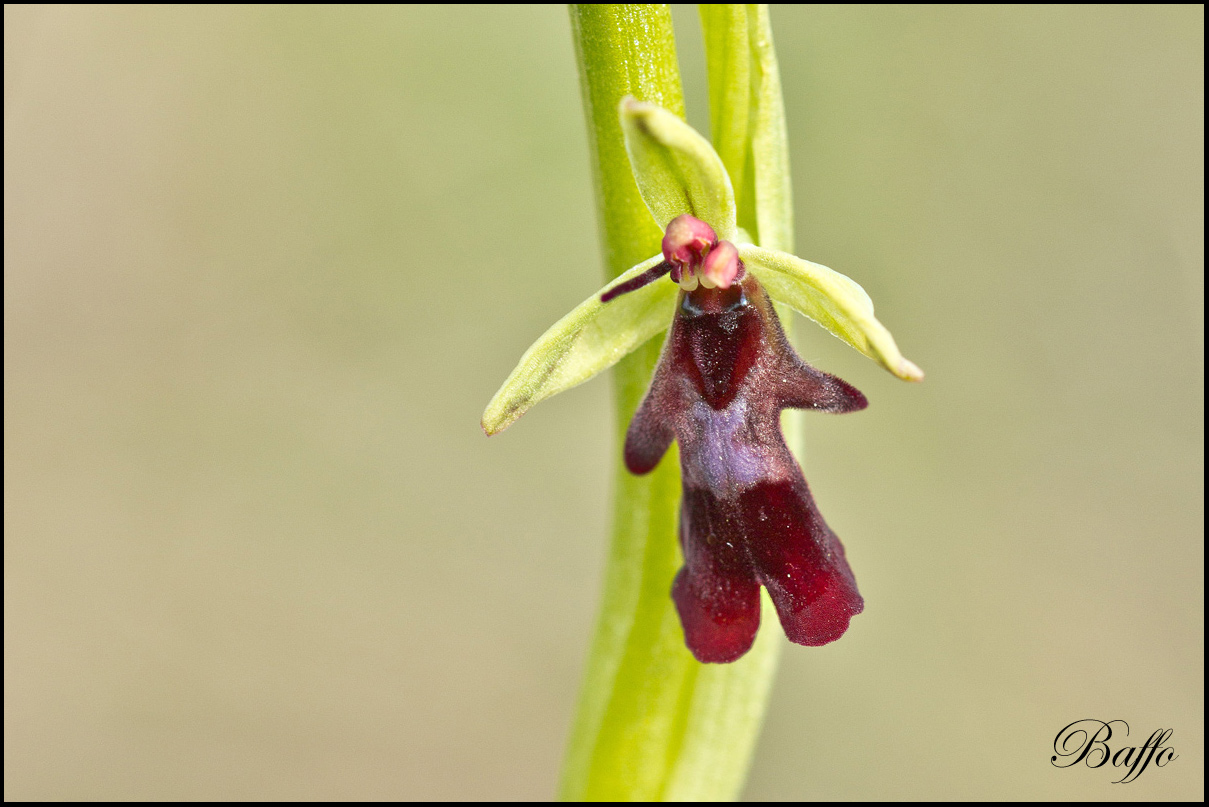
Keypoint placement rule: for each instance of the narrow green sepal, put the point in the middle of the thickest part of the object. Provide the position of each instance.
(676, 169)
(590, 339)
(835, 301)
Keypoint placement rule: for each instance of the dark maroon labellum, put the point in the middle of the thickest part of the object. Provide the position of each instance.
(747, 517)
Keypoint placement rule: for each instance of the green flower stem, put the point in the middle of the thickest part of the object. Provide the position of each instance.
(653, 723)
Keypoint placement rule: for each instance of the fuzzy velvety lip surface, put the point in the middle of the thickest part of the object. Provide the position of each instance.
(747, 517)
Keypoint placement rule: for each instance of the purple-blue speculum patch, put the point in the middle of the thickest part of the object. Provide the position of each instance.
(747, 518)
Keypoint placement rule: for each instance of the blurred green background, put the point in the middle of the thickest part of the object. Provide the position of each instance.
(265, 266)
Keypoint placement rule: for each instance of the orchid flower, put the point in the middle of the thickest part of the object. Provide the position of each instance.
(726, 371)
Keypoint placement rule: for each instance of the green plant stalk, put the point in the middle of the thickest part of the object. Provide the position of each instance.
(653, 723)
(747, 118)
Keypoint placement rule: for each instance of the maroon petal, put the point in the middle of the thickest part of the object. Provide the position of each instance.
(804, 387)
(652, 430)
(800, 561)
(747, 516)
(633, 284)
(715, 593)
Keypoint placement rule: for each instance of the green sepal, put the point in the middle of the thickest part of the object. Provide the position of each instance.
(835, 301)
(590, 339)
(676, 169)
